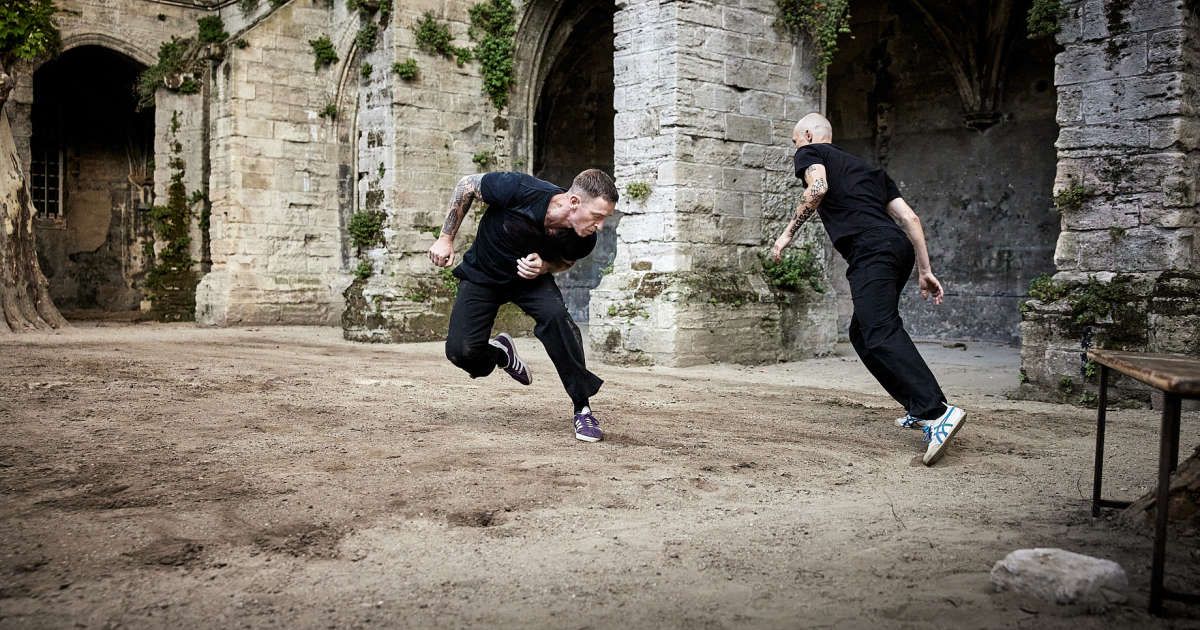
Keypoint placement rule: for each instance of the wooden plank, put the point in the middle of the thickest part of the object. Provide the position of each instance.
(1172, 373)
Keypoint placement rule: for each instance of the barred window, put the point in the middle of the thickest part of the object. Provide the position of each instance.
(45, 180)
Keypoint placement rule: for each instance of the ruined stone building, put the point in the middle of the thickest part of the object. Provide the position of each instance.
(310, 148)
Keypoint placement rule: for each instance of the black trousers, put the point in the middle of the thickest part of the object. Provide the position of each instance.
(881, 261)
(475, 312)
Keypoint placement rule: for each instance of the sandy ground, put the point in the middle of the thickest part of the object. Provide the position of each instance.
(168, 476)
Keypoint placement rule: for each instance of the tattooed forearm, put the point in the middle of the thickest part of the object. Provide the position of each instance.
(465, 194)
(808, 204)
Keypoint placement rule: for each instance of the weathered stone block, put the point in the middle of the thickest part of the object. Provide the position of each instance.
(1062, 577)
(1086, 63)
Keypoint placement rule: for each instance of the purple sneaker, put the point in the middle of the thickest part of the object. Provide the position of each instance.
(516, 367)
(587, 427)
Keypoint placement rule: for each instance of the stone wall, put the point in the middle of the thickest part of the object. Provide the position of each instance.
(276, 233)
(984, 196)
(440, 121)
(706, 95)
(1128, 183)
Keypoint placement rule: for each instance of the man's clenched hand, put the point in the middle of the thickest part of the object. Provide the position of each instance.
(531, 266)
(442, 252)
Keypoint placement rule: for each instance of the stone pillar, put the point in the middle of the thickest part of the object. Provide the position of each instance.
(1127, 188)
(706, 95)
(276, 234)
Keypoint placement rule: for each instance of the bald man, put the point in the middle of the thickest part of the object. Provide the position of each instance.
(880, 237)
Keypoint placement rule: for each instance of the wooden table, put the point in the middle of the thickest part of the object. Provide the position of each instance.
(1177, 377)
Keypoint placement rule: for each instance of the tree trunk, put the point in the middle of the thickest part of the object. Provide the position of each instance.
(1184, 496)
(25, 302)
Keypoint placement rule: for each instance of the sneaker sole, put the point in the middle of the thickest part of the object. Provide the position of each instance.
(932, 458)
(584, 438)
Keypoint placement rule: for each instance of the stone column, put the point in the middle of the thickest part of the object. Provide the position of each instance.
(706, 95)
(1127, 188)
(276, 234)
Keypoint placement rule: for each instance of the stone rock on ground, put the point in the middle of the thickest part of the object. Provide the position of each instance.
(1062, 577)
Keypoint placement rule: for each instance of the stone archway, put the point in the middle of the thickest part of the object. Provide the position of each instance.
(965, 123)
(91, 170)
(564, 106)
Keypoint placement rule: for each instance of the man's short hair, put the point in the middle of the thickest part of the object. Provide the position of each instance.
(596, 183)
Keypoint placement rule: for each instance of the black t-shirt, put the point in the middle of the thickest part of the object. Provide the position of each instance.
(513, 227)
(858, 192)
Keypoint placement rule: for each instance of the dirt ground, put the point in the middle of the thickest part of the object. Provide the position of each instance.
(169, 476)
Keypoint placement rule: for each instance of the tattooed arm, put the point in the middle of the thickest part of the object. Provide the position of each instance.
(465, 193)
(809, 201)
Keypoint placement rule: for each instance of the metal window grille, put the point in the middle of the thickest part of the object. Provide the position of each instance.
(45, 181)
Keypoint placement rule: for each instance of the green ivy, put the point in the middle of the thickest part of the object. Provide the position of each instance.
(1071, 198)
(1043, 288)
(822, 20)
(330, 111)
(189, 85)
(175, 57)
(637, 191)
(797, 269)
(365, 70)
(363, 270)
(27, 30)
(323, 52)
(170, 280)
(1043, 17)
(212, 30)
(366, 229)
(483, 158)
(432, 36)
(449, 280)
(493, 28)
(406, 69)
(368, 33)
(248, 7)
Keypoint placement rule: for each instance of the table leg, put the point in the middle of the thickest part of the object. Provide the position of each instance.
(1167, 452)
(1100, 420)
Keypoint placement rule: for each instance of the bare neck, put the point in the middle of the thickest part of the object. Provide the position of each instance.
(557, 211)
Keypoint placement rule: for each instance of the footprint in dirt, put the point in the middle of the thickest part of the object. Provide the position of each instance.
(168, 552)
(475, 518)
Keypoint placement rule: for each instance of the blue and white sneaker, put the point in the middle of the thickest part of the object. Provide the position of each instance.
(909, 422)
(938, 433)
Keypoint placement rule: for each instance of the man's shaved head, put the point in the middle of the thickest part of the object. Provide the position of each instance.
(812, 128)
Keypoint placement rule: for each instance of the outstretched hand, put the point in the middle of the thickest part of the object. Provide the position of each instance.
(930, 287)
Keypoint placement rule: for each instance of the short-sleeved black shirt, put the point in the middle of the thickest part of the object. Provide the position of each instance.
(513, 227)
(858, 192)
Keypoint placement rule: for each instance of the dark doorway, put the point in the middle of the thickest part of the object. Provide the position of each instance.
(980, 180)
(573, 129)
(92, 160)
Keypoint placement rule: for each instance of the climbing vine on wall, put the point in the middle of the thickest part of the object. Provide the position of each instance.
(821, 20)
(1043, 17)
(170, 281)
(493, 27)
(434, 38)
(211, 30)
(178, 61)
